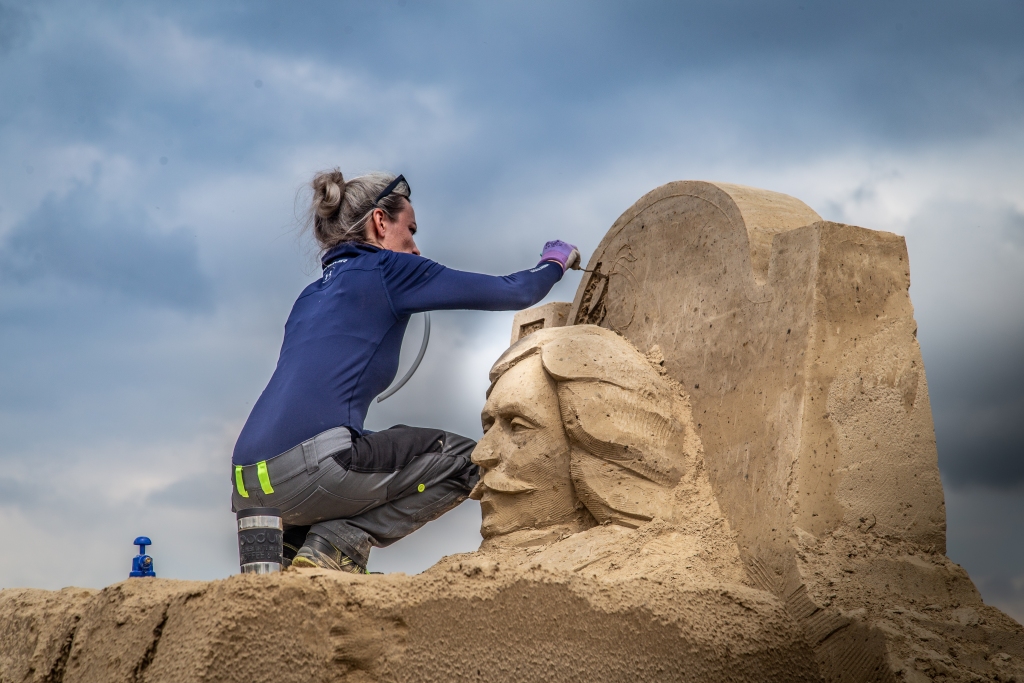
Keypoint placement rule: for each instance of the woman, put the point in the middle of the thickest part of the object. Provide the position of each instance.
(342, 490)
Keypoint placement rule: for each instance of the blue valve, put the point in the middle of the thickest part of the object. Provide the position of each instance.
(142, 564)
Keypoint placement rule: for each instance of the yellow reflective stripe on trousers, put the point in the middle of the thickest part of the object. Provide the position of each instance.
(261, 472)
(239, 484)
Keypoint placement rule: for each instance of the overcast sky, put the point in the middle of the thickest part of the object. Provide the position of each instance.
(152, 161)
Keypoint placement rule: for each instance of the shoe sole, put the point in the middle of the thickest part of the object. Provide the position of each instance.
(306, 562)
(303, 561)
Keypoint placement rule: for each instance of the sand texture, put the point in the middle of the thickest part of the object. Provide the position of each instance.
(717, 464)
(469, 618)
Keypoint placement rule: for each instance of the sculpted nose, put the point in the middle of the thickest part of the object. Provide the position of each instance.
(484, 455)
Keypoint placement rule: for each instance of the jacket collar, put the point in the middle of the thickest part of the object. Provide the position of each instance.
(347, 250)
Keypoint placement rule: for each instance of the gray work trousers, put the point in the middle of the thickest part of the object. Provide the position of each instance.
(381, 489)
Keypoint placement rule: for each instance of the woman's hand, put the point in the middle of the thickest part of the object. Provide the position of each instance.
(564, 254)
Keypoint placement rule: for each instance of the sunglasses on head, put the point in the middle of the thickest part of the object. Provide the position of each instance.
(391, 188)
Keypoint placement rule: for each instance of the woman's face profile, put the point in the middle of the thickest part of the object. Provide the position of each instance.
(396, 235)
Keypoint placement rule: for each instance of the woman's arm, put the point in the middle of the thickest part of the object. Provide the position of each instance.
(415, 284)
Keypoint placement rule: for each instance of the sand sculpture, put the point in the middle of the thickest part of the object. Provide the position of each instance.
(586, 440)
(576, 417)
(717, 463)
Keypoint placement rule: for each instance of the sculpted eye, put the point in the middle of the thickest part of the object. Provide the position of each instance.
(487, 423)
(519, 424)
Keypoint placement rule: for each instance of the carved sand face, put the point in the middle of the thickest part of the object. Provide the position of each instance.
(524, 454)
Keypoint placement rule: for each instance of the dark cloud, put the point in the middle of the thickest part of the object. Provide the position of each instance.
(541, 78)
(967, 266)
(78, 240)
(984, 536)
(978, 407)
(900, 72)
(977, 388)
(15, 24)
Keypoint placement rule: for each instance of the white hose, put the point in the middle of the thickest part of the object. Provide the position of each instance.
(415, 363)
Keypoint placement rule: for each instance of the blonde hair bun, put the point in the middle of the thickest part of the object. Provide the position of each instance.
(328, 191)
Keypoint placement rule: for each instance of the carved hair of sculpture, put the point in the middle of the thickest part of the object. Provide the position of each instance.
(576, 417)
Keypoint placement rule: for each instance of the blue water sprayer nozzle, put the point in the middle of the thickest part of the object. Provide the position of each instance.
(142, 564)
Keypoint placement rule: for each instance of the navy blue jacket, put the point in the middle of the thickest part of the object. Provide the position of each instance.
(344, 334)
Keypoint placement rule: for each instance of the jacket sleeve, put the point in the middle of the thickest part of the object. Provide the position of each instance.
(415, 284)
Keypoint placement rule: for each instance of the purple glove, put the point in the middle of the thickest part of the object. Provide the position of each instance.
(562, 253)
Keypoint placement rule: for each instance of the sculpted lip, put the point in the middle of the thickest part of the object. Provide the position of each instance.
(499, 483)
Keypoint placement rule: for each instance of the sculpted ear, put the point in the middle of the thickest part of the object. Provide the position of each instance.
(628, 445)
(612, 495)
(627, 451)
(630, 429)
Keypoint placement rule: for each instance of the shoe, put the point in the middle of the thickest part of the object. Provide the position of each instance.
(294, 537)
(318, 552)
(290, 551)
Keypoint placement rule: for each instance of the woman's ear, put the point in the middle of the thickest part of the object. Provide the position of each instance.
(377, 227)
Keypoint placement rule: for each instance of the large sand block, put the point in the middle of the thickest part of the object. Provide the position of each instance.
(796, 340)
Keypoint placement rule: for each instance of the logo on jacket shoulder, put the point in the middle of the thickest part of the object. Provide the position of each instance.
(330, 269)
